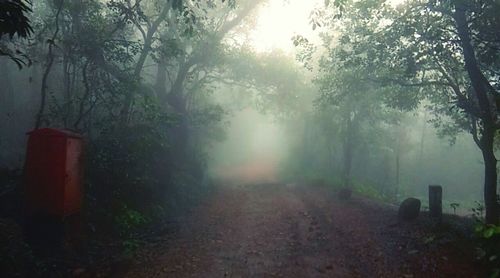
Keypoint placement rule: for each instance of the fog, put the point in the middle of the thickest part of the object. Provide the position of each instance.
(266, 127)
(266, 131)
(198, 109)
(253, 150)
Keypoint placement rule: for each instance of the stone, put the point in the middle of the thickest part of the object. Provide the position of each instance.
(345, 193)
(409, 209)
(435, 201)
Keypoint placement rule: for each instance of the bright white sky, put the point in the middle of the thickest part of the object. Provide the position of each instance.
(279, 20)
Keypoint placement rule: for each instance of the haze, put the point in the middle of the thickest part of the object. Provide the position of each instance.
(249, 138)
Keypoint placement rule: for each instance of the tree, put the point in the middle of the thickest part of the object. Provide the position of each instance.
(14, 21)
(484, 85)
(359, 109)
(197, 61)
(447, 48)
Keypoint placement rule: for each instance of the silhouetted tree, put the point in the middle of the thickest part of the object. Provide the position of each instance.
(14, 21)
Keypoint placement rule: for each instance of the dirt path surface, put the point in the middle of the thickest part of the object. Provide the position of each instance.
(293, 231)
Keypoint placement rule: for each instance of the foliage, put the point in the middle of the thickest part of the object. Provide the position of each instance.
(489, 248)
(127, 220)
(454, 206)
(478, 211)
(136, 78)
(488, 236)
(123, 163)
(371, 191)
(14, 18)
(426, 51)
(487, 231)
(14, 21)
(356, 106)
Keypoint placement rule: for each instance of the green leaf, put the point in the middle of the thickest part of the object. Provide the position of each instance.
(489, 232)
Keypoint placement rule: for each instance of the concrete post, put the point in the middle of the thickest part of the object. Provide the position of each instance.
(435, 201)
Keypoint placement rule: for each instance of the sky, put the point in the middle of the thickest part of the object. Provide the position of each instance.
(279, 20)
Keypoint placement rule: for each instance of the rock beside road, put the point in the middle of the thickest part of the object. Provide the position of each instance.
(409, 209)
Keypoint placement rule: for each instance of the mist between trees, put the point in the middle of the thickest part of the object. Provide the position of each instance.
(172, 96)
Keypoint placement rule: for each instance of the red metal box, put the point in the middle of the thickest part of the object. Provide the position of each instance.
(53, 172)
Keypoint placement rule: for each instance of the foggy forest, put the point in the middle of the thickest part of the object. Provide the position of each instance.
(249, 138)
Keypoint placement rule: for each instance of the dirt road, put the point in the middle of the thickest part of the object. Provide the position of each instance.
(277, 230)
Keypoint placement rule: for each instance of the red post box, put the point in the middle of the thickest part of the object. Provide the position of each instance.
(53, 172)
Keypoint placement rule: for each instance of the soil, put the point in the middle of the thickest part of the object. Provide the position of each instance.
(279, 230)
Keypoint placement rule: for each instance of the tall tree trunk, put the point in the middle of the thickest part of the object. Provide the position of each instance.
(176, 99)
(398, 158)
(481, 88)
(348, 148)
(420, 177)
(401, 138)
(422, 140)
(139, 66)
(490, 176)
(161, 79)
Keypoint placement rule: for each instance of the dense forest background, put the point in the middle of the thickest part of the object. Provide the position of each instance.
(177, 97)
(385, 98)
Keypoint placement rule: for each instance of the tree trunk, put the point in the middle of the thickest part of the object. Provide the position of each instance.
(422, 140)
(176, 99)
(347, 163)
(481, 88)
(160, 83)
(398, 156)
(348, 145)
(490, 176)
(139, 66)
(180, 133)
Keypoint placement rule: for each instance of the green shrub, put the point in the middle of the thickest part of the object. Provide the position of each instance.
(369, 191)
(127, 220)
(488, 236)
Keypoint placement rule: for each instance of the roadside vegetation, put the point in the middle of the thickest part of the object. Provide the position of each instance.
(382, 97)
